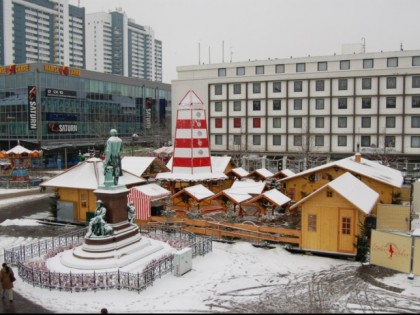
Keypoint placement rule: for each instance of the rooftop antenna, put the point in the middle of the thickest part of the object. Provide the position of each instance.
(209, 56)
(231, 53)
(223, 51)
(199, 53)
(364, 44)
(401, 46)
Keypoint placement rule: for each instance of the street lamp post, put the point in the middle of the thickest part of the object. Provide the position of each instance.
(8, 126)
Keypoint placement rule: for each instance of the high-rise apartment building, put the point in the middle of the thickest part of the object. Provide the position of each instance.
(53, 31)
(116, 44)
(50, 31)
(325, 106)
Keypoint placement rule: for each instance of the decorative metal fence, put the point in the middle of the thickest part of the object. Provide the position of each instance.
(30, 261)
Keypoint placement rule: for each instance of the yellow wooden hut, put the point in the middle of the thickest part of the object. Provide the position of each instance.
(382, 179)
(75, 188)
(332, 216)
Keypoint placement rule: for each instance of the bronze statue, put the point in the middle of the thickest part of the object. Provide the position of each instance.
(98, 225)
(131, 212)
(113, 149)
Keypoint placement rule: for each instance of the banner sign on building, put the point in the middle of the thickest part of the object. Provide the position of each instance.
(13, 69)
(62, 128)
(32, 108)
(61, 117)
(162, 111)
(60, 93)
(63, 70)
(148, 113)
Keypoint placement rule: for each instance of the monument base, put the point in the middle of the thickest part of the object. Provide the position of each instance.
(139, 252)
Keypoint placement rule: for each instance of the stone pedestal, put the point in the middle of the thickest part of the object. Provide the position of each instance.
(115, 201)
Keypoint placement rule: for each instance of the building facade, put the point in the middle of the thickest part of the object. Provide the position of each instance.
(53, 31)
(116, 44)
(42, 31)
(52, 106)
(326, 106)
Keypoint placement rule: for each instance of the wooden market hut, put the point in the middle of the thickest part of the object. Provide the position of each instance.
(75, 188)
(331, 216)
(260, 174)
(272, 199)
(237, 173)
(194, 198)
(241, 191)
(382, 179)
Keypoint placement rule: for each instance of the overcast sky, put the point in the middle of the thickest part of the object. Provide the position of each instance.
(262, 29)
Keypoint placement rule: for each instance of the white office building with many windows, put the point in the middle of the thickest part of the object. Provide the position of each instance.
(326, 106)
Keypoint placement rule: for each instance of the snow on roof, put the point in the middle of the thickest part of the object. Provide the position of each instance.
(240, 171)
(286, 172)
(352, 189)
(88, 175)
(274, 196)
(136, 165)
(190, 177)
(152, 190)
(247, 186)
(237, 196)
(18, 150)
(277, 197)
(264, 172)
(218, 163)
(365, 167)
(199, 191)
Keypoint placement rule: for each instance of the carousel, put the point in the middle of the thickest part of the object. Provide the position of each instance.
(18, 162)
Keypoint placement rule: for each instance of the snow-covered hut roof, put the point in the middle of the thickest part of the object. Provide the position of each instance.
(263, 172)
(239, 171)
(247, 186)
(152, 190)
(136, 165)
(286, 172)
(88, 175)
(365, 167)
(274, 196)
(199, 192)
(218, 163)
(352, 189)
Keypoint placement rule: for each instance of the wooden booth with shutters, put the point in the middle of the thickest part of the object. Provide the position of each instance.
(331, 217)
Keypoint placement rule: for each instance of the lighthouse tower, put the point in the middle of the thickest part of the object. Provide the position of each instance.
(191, 156)
(191, 145)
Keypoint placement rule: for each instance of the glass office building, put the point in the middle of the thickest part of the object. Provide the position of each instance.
(58, 108)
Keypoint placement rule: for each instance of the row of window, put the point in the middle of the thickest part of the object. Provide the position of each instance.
(391, 102)
(318, 140)
(391, 83)
(366, 122)
(368, 63)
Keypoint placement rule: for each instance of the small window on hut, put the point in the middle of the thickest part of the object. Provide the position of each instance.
(312, 222)
(346, 226)
(329, 193)
(84, 201)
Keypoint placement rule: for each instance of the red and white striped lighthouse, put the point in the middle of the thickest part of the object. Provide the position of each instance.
(191, 153)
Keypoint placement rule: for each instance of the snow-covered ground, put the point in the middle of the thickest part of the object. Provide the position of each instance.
(240, 278)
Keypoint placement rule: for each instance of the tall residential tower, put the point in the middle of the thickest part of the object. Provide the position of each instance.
(50, 31)
(116, 44)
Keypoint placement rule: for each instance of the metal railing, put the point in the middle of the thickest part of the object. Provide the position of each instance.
(30, 260)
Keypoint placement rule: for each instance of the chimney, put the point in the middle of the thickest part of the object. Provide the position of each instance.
(357, 157)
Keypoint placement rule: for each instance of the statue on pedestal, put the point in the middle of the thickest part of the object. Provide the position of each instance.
(113, 149)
